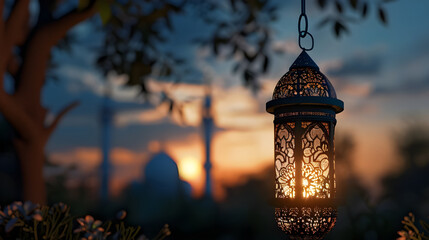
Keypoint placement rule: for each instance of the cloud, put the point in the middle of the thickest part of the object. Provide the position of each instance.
(127, 165)
(236, 107)
(355, 89)
(408, 87)
(149, 116)
(83, 79)
(287, 46)
(186, 96)
(359, 64)
(87, 158)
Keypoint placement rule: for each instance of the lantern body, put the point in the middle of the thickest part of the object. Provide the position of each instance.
(304, 104)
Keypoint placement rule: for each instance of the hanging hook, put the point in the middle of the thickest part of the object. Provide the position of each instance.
(303, 32)
(312, 42)
(303, 7)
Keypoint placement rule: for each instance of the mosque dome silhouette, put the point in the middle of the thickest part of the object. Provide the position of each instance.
(162, 175)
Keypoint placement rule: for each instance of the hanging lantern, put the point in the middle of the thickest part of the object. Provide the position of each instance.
(304, 104)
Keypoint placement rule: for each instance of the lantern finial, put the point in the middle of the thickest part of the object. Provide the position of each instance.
(304, 61)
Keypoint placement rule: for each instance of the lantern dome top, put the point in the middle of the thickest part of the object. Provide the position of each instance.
(304, 79)
(304, 84)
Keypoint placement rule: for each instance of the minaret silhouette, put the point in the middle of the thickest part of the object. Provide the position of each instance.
(208, 130)
(106, 117)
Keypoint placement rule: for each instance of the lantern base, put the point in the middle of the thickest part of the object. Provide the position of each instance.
(306, 223)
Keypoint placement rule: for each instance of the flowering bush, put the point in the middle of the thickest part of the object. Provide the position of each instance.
(31, 221)
(411, 231)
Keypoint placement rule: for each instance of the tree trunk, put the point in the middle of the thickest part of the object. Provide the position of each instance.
(23, 109)
(31, 157)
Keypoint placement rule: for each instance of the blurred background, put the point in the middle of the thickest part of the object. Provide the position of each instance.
(172, 126)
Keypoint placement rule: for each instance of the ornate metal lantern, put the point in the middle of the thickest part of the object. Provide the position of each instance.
(304, 104)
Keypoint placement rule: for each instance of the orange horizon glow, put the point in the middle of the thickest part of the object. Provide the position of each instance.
(190, 168)
(243, 147)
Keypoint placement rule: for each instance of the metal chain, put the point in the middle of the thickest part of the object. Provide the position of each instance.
(303, 32)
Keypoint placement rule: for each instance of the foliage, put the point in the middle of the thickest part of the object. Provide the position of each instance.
(411, 231)
(239, 30)
(31, 221)
(139, 37)
(351, 11)
(134, 45)
(242, 31)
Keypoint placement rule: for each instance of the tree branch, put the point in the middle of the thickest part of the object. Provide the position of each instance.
(57, 29)
(16, 26)
(14, 114)
(50, 129)
(1, 11)
(37, 54)
(45, 12)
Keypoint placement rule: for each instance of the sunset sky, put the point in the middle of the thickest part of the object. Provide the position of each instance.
(379, 72)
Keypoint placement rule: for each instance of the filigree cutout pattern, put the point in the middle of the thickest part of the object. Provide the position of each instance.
(303, 82)
(315, 164)
(306, 223)
(284, 160)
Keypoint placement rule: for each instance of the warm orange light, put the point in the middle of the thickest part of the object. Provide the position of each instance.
(189, 168)
(313, 181)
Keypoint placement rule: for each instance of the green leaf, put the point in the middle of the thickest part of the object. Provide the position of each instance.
(339, 28)
(249, 57)
(322, 3)
(171, 106)
(382, 16)
(339, 6)
(215, 48)
(266, 64)
(364, 10)
(248, 76)
(217, 41)
(104, 10)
